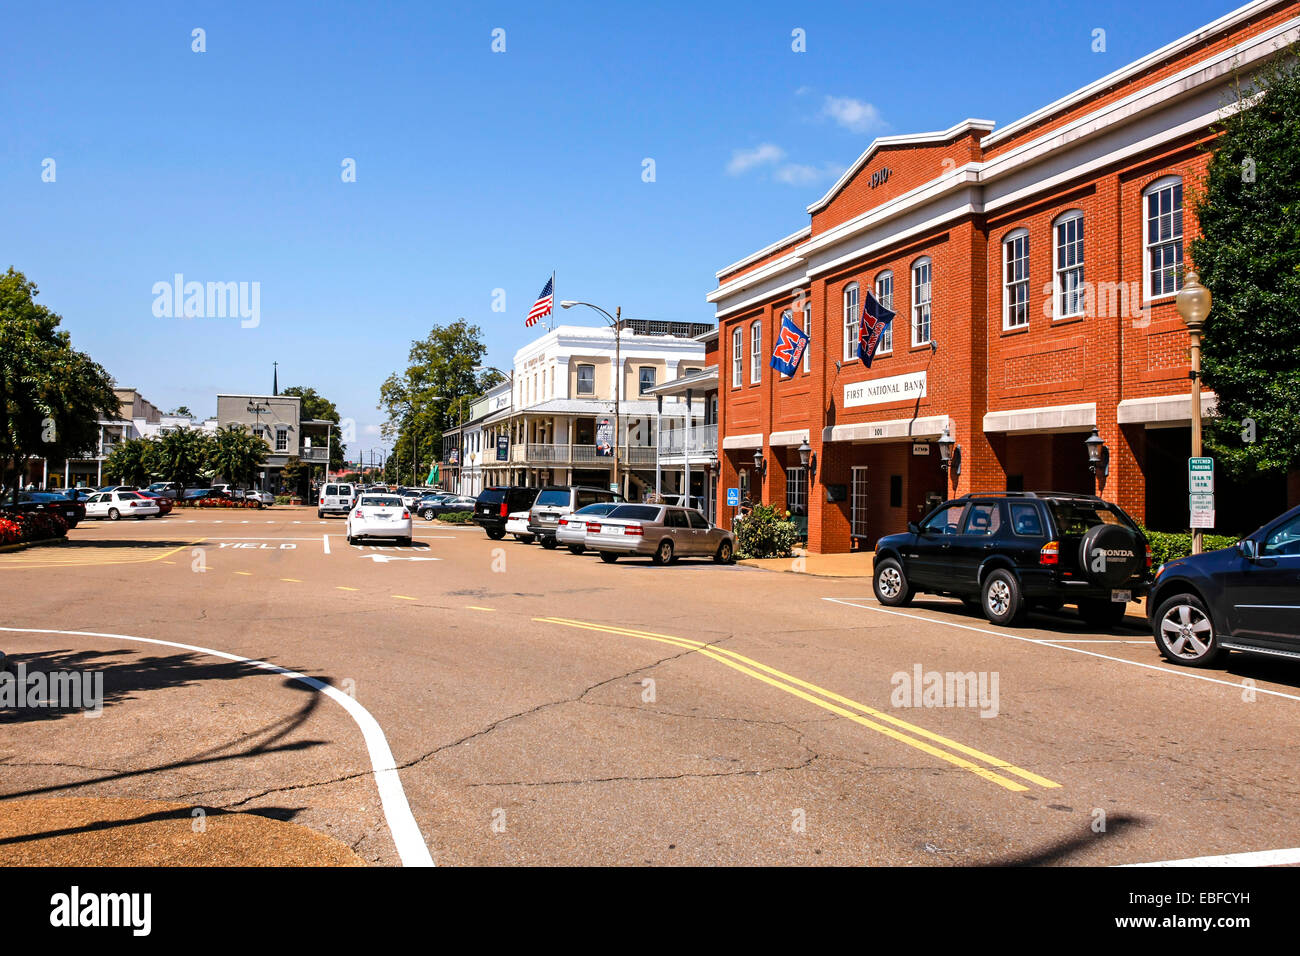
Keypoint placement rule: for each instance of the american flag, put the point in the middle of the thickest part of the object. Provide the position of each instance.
(542, 307)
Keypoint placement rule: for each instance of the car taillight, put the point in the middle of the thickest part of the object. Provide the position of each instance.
(504, 512)
(136, 504)
(405, 514)
(1148, 557)
(633, 529)
(358, 514)
(593, 527)
(1049, 553)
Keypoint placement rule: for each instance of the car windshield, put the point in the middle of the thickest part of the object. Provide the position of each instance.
(600, 508)
(636, 512)
(381, 501)
(556, 496)
(127, 495)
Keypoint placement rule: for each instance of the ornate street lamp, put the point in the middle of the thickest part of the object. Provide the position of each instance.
(1098, 454)
(1193, 302)
(949, 454)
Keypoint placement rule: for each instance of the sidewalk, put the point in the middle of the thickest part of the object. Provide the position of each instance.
(857, 564)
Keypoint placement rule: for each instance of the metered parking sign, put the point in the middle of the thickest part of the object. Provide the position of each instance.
(733, 497)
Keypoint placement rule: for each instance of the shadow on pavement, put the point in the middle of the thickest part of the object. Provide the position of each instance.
(1062, 850)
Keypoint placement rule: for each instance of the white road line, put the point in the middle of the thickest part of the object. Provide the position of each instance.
(1063, 640)
(411, 847)
(1061, 647)
(325, 539)
(1260, 858)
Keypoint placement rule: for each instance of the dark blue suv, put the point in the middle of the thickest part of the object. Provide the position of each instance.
(1243, 598)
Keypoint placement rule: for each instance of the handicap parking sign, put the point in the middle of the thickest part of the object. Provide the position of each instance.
(733, 497)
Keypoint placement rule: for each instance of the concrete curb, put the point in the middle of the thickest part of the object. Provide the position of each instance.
(24, 545)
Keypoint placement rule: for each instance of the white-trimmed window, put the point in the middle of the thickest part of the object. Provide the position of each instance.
(885, 296)
(737, 360)
(858, 502)
(1067, 265)
(850, 321)
(586, 380)
(756, 352)
(281, 438)
(1015, 279)
(796, 490)
(807, 330)
(921, 301)
(1164, 237)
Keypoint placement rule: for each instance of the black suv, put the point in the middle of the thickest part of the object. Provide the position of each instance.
(1243, 598)
(494, 506)
(1006, 552)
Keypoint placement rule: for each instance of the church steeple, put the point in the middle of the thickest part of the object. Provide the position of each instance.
(275, 378)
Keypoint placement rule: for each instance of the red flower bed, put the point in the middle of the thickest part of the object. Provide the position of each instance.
(220, 503)
(19, 527)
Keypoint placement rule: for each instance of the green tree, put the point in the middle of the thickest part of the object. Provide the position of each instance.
(1248, 256)
(315, 405)
(133, 461)
(432, 394)
(236, 454)
(51, 396)
(293, 477)
(182, 410)
(182, 455)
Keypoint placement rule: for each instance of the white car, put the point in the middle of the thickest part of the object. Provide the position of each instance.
(265, 497)
(517, 524)
(379, 516)
(114, 505)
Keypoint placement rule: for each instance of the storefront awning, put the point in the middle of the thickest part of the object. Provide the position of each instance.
(731, 442)
(1044, 420)
(1165, 411)
(895, 429)
(796, 437)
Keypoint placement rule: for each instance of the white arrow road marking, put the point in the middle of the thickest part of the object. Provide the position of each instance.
(397, 812)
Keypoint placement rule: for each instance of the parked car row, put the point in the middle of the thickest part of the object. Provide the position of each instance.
(1006, 553)
(585, 519)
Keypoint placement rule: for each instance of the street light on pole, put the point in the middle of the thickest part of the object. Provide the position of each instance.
(618, 374)
(1193, 302)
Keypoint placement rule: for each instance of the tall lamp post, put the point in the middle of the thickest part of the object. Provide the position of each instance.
(1193, 303)
(618, 375)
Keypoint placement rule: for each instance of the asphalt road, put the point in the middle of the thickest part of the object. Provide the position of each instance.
(546, 708)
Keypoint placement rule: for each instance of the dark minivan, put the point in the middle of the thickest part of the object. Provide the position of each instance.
(494, 506)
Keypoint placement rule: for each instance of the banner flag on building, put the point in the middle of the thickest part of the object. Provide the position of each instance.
(433, 474)
(875, 320)
(791, 341)
(542, 307)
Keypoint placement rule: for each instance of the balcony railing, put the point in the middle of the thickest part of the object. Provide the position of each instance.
(538, 453)
(702, 439)
(314, 455)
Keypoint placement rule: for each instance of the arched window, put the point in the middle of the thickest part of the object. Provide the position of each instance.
(1015, 279)
(756, 352)
(885, 296)
(1067, 265)
(737, 359)
(921, 276)
(850, 321)
(1163, 237)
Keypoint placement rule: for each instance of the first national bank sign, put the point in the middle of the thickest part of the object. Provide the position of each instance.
(896, 388)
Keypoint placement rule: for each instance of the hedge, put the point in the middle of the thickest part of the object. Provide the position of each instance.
(1167, 546)
(23, 526)
(457, 517)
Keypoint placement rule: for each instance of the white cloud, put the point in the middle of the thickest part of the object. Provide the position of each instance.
(854, 115)
(799, 174)
(370, 430)
(743, 160)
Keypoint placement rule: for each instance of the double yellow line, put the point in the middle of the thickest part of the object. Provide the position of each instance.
(979, 763)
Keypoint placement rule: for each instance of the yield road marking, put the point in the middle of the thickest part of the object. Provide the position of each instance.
(1042, 642)
(829, 700)
(411, 847)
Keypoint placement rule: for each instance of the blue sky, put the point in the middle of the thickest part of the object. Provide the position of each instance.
(475, 170)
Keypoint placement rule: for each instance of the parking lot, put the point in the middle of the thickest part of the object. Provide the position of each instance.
(467, 701)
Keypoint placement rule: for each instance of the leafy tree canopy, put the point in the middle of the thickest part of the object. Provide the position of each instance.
(1249, 258)
(315, 405)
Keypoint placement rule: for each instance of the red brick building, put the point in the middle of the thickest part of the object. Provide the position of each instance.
(1033, 270)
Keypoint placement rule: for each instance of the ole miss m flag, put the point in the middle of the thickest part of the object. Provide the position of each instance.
(875, 320)
(790, 344)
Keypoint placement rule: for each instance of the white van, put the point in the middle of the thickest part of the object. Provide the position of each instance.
(335, 499)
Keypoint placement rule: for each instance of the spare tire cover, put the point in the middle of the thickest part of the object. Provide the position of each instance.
(1109, 555)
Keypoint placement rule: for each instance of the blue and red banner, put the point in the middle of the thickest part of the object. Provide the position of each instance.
(875, 320)
(790, 344)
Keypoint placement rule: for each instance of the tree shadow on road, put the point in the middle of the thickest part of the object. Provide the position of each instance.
(1062, 850)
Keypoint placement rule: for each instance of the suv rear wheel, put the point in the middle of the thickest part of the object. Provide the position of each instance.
(547, 542)
(496, 534)
(1001, 597)
(1185, 632)
(890, 584)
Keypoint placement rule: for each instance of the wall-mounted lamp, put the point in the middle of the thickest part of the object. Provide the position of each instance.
(808, 458)
(1098, 454)
(949, 454)
(758, 462)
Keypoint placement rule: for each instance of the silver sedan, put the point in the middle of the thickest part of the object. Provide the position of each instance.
(572, 531)
(662, 533)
